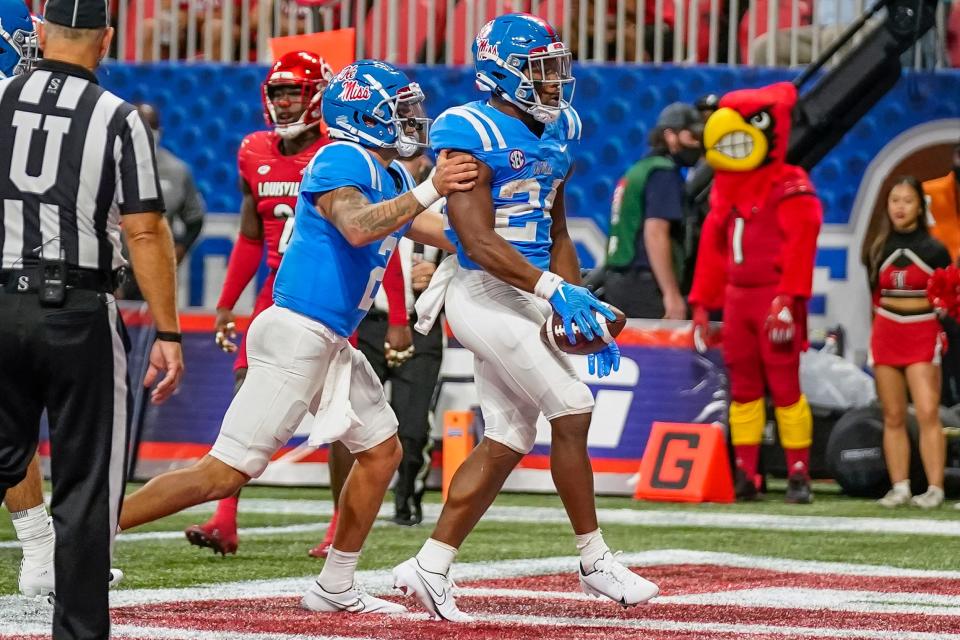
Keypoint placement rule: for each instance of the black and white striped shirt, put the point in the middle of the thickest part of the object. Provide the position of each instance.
(73, 159)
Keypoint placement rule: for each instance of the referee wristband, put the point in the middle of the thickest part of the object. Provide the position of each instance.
(169, 336)
(426, 193)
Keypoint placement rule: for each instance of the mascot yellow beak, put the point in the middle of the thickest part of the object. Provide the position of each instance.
(732, 143)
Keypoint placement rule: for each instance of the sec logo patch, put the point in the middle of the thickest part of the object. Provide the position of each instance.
(517, 160)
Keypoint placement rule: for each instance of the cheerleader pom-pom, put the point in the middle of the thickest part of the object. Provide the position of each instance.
(943, 291)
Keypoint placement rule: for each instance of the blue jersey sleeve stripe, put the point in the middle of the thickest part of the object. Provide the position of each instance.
(501, 143)
(475, 123)
(573, 124)
(374, 174)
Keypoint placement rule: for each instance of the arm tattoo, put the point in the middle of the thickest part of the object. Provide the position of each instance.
(352, 209)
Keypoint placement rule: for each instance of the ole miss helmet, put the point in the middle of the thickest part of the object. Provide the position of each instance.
(311, 74)
(18, 39)
(375, 104)
(517, 54)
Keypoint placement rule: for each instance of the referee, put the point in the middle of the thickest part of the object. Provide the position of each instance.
(74, 161)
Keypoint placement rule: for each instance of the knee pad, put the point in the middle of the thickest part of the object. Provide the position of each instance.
(795, 423)
(520, 438)
(747, 420)
(571, 399)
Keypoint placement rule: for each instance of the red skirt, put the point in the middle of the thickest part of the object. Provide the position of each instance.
(898, 341)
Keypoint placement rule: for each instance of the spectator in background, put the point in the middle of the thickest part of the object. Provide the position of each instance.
(707, 104)
(185, 206)
(906, 341)
(631, 15)
(829, 19)
(171, 18)
(645, 253)
(943, 205)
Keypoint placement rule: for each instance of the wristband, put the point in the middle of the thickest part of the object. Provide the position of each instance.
(547, 285)
(426, 193)
(170, 336)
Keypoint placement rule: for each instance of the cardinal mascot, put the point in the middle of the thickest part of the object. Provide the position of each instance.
(755, 261)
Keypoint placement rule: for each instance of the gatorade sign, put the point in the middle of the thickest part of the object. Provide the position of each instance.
(685, 463)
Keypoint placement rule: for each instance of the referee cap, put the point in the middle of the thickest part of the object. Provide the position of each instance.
(78, 14)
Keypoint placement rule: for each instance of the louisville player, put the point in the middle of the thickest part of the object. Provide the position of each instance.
(516, 261)
(271, 165)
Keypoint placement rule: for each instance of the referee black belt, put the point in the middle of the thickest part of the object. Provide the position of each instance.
(28, 280)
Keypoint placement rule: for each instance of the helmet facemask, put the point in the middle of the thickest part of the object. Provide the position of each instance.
(25, 44)
(547, 83)
(308, 96)
(408, 119)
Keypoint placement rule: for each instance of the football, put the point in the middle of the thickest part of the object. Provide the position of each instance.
(555, 335)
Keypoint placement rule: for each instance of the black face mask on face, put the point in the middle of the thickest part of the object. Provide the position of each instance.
(687, 156)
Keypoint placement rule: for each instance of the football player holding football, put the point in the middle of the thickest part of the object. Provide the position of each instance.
(514, 261)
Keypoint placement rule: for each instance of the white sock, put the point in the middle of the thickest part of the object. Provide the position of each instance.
(338, 569)
(35, 532)
(436, 556)
(592, 548)
(935, 491)
(902, 487)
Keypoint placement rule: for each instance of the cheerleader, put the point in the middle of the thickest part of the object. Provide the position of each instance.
(907, 338)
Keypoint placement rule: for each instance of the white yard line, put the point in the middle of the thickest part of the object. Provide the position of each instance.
(164, 633)
(719, 627)
(18, 615)
(630, 517)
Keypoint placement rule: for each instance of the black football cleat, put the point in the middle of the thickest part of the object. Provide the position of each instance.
(798, 489)
(744, 488)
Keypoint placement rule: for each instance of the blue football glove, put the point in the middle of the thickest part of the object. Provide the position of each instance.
(578, 305)
(604, 362)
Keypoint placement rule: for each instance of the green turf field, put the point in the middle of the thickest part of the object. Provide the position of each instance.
(172, 562)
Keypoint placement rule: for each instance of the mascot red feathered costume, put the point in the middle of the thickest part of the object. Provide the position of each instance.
(755, 261)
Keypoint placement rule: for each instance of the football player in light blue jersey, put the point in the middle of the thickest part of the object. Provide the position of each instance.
(18, 39)
(516, 261)
(355, 201)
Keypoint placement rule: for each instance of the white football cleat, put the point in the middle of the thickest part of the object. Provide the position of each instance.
(353, 600)
(433, 590)
(38, 581)
(610, 579)
(116, 577)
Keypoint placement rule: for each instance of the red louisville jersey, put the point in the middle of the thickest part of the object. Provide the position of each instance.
(274, 180)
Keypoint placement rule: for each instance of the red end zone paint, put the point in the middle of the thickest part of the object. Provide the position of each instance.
(526, 613)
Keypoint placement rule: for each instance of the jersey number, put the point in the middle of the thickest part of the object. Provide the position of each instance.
(531, 188)
(738, 240)
(284, 211)
(376, 276)
(56, 128)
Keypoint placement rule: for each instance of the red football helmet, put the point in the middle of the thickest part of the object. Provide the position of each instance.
(310, 74)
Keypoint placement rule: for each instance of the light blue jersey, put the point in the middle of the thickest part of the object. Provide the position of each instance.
(527, 170)
(321, 275)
